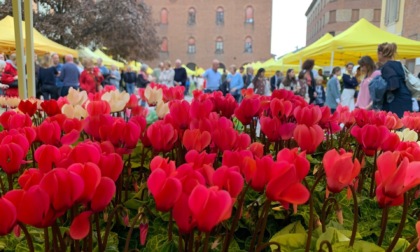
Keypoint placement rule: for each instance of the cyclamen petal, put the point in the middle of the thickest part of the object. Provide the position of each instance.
(80, 226)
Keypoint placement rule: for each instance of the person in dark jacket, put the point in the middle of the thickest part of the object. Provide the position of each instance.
(130, 80)
(180, 77)
(275, 81)
(307, 68)
(47, 79)
(397, 98)
(350, 83)
(248, 77)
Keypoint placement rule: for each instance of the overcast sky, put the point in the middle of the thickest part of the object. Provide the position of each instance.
(289, 25)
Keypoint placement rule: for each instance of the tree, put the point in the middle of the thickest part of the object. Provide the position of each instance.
(124, 27)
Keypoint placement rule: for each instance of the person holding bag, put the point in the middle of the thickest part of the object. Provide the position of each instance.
(91, 78)
(397, 97)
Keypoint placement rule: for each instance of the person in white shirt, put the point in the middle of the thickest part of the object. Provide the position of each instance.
(167, 75)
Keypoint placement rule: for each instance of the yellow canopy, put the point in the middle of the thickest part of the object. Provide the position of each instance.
(41, 43)
(108, 61)
(361, 39)
(199, 71)
(297, 58)
(85, 52)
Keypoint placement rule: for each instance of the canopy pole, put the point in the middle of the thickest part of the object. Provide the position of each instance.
(300, 62)
(29, 42)
(332, 61)
(17, 16)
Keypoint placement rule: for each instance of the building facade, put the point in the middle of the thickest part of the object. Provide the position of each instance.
(198, 31)
(335, 16)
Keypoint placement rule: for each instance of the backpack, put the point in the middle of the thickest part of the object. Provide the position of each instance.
(377, 90)
(412, 83)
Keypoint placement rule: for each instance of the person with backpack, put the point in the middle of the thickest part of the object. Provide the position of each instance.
(397, 98)
(367, 65)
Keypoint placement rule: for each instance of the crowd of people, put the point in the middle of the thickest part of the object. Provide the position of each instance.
(354, 89)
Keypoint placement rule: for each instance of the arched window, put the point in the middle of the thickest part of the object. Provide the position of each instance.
(248, 45)
(219, 45)
(164, 16)
(249, 15)
(164, 45)
(191, 16)
(220, 16)
(191, 46)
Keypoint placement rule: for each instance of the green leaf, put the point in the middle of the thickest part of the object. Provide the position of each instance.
(359, 246)
(293, 228)
(23, 247)
(333, 236)
(289, 242)
(133, 204)
(401, 245)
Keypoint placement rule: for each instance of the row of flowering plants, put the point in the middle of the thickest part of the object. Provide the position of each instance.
(101, 173)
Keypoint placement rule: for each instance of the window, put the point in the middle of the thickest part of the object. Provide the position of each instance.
(191, 16)
(333, 14)
(377, 15)
(354, 15)
(219, 45)
(392, 11)
(249, 15)
(191, 46)
(164, 45)
(220, 16)
(164, 16)
(248, 45)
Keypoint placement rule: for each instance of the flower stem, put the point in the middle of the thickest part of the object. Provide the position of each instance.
(266, 209)
(235, 221)
(324, 213)
(311, 212)
(46, 240)
(412, 245)
(57, 232)
(190, 241)
(206, 243)
(98, 233)
(27, 237)
(384, 221)
(109, 223)
(10, 180)
(325, 242)
(355, 216)
(130, 232)
(372, 177)
(170, 226)
(401, 226)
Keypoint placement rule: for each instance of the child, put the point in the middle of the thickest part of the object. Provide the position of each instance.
(319, 93)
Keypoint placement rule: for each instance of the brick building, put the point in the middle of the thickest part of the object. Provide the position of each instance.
(198, 31)
(411, 28)
(335, 16)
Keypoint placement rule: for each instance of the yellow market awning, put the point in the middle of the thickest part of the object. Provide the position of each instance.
(107, 61)
(359, 40)
(41, 43)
